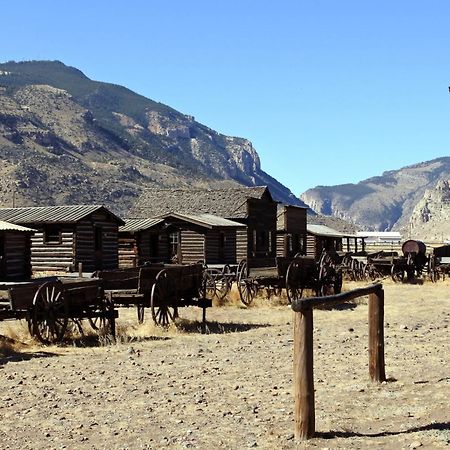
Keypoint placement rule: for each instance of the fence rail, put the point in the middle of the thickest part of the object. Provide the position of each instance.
(304, 415)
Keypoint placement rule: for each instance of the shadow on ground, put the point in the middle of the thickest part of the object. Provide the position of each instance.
(218, 327)
(439, 426)
(14, 356)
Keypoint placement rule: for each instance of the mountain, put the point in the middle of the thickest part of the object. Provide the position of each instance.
(66, 139)
(380, 203)
(430, 219)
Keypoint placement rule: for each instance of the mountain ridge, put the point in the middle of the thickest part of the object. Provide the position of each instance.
(66, 138)
(380, 203)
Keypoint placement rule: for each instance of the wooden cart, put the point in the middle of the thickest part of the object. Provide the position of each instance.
(410, 265)
(291, 273)
(163, 288)
(48, 304)
(219, 279)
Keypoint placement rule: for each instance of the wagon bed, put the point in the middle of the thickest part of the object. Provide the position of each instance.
(48, 304)
(161, 287)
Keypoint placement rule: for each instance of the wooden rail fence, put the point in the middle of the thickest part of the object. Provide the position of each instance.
(304, 416)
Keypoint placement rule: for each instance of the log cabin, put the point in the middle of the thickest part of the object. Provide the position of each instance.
(184, 238)
(321, 237)
(253, 207)
(291, 230)
(69, 235)
(15, 256)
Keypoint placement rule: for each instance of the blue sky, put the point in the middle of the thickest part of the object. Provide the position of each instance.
(328, 91)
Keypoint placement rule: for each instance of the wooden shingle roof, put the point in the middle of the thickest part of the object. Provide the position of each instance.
(52, 214)
(227, 203)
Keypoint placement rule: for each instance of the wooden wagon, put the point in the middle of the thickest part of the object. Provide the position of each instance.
(163, 288)
(48, 304)
(413, 263)
(219, 279)
(295, 274)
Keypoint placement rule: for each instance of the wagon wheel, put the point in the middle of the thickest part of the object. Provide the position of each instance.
(224, 285)
(293, 288)
(246, 286)
(329, 278)
(337, 282)
(371, 272)
(397, 273)
(361, 271)
(49, 316)
(209, 284)
(163, 301)
(102, 323)
(247, 291)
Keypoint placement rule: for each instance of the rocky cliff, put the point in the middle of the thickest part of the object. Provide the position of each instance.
(430, 219)
(380, 203)
(66, 139)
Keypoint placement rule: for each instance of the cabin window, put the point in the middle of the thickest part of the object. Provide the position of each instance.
(98, 238)
(52, 235)
(174, 242)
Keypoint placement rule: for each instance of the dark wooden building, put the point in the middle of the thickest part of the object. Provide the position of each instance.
(253, 207)
(185, 238)
(291, 230)
(15, 256)
(141, 241)
(321, 237)
(68, 235)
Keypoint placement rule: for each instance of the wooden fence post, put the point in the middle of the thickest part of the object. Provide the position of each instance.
(304, 416)
(376, 336)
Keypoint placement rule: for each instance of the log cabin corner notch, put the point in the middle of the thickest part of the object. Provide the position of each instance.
(68, 235)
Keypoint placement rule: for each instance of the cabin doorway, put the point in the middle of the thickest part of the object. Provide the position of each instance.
(2, 258)
(98, 248)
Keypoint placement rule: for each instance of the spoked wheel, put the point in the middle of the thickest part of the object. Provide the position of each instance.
(397, 273)
(163, 302)
(337, 285)
(246, 286)
(209, 284)
(293, 288)
(49, 316)
(371, 272)
(223, 284)
(247, 291)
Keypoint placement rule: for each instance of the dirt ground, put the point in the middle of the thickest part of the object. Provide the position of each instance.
(232, 388)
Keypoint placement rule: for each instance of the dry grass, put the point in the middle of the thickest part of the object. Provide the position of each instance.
(232, 387)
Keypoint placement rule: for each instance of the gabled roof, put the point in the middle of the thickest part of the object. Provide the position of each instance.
(134, 225)
(323, 230)
(228, 202)
(6, 226)
(205, 220)
(52, 214)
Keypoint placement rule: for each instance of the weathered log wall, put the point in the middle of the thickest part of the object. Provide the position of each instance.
(220, 246)
(15, 264)
(53, 257)
(106, 256)
(192, 246)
